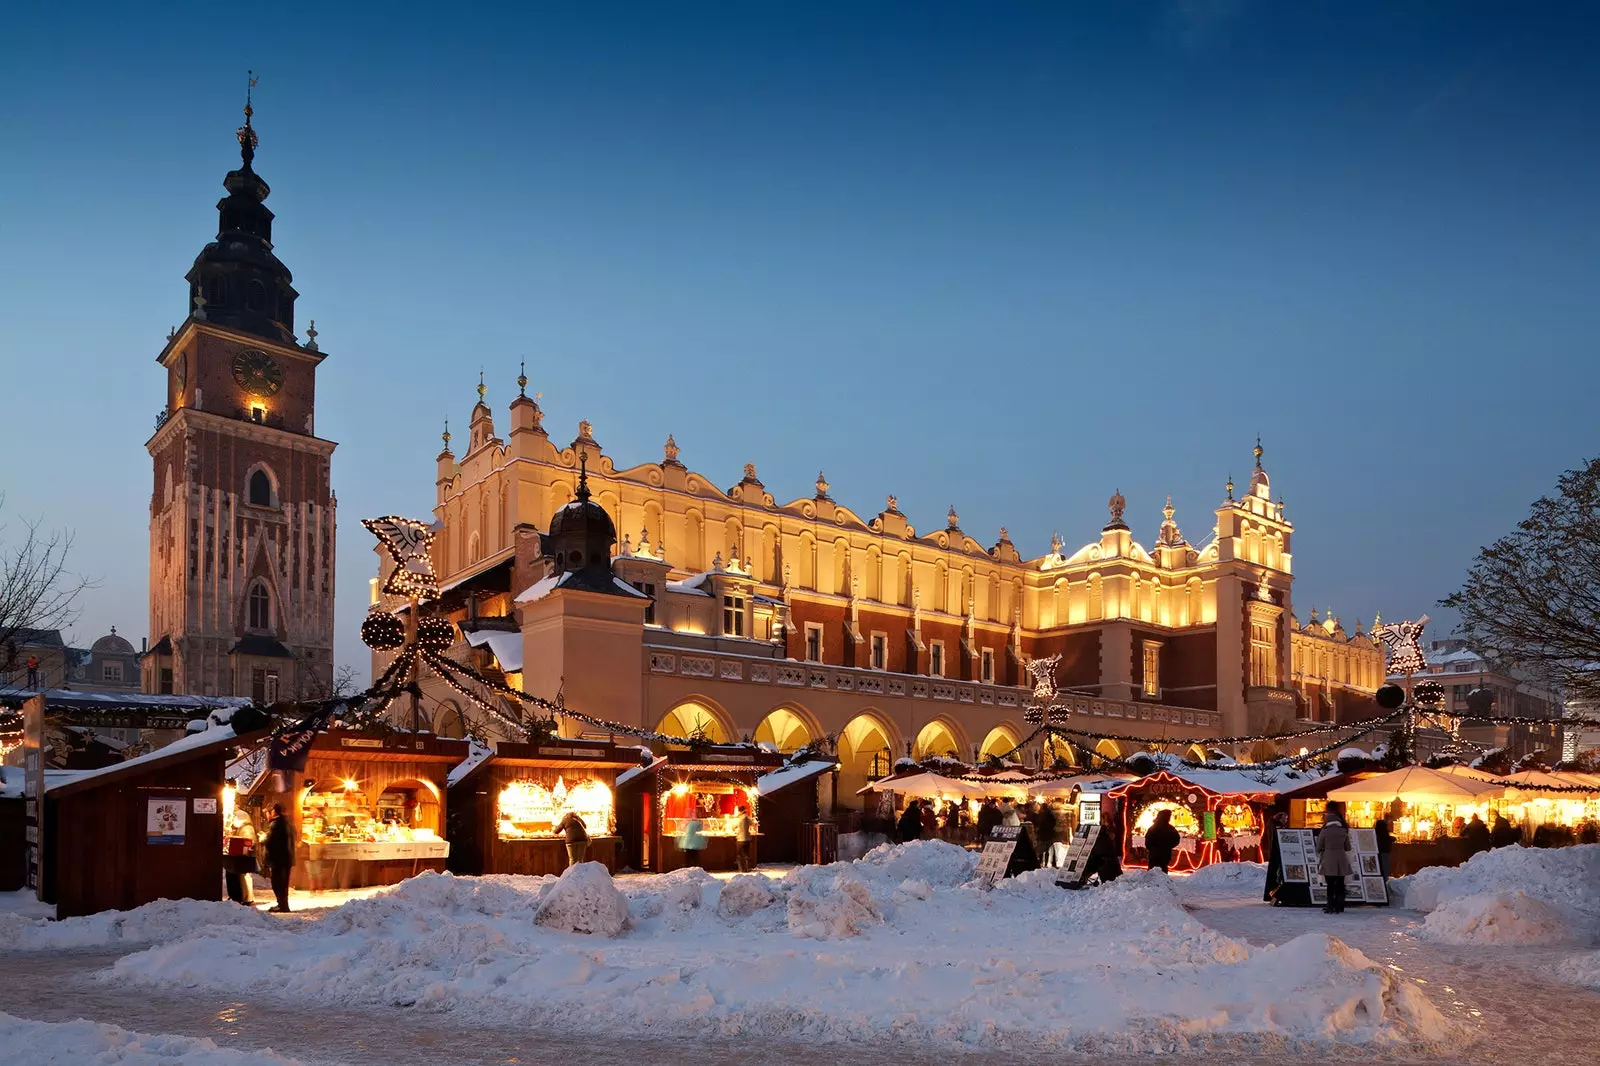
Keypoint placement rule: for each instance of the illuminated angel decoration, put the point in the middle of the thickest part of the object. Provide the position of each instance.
(1402, 641)
(1045, 705)
(407, 541)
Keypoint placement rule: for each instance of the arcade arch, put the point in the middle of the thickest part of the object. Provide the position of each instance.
(697, 716)
(785, 728)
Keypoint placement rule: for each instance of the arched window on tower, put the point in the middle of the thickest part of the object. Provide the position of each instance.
(260, 489)
(260, 606)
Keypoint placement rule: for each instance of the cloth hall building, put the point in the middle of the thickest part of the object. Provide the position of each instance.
(647, 594)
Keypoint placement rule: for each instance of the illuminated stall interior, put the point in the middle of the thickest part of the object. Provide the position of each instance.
(527, 810)
(712, 799)
(346, 812)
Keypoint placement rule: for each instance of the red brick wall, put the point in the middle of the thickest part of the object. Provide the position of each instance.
(1080, 656)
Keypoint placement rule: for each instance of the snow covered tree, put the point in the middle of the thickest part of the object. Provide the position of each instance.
(1531, 602)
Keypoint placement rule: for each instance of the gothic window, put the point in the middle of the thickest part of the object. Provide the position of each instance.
(255, 295)
(936, 658)
(1152, 669)
(813, 642)
(260, 489)
(260, 607)
(987, 671)
(880, 651)
(1096, 607)
(1263, 655)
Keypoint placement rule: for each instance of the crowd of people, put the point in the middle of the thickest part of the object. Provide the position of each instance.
(955, 822)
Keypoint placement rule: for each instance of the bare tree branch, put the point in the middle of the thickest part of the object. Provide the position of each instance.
(1531, 602)
(37, 591)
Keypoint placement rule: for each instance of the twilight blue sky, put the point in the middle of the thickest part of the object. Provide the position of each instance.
(1010, 256)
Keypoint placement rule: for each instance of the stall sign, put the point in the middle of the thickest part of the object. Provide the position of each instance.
(361, 742)
(708, 757)
(996, 856)
(1208, 824)
(165, 820)
(572, 753)
(205, 806)
(1075, 869)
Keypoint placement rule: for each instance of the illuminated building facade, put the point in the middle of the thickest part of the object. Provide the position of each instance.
(783, 621)
(241, 508)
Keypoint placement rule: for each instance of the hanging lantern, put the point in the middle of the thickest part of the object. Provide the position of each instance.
(1428, 693)
(382, 630)
(1390, 697)
(435, 634)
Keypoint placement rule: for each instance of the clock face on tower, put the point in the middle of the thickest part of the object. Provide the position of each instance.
(257, 372)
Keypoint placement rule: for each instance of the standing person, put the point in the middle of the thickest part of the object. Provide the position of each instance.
(951, 822)
(692, 840)
(577, 835)
(1044, 825)
(33, 671)
(1161, 841)
(1504, 833)
(742, 836)
(1333, 857)
(1274, 861)
(911, 822)
(930, 822)
(988, 818)
(1008, 813)
(1476, 834)
(280, 856)
(1380, 829)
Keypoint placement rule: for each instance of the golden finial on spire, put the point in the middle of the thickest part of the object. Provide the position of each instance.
(1230, 486)
(522, 379)
(1257, 451)
(445, 436)
(247, 135)
(482, 388)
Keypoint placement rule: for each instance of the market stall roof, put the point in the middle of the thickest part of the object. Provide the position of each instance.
(628, 775)
(184, 748)
(1417, 784)
(505, 645)
(58, 699)
(785, 776)
(1066, 787)
(926, 785)
(1469, 771)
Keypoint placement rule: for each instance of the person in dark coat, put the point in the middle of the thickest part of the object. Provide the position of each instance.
(1161, 841)
(911, 822)
(1476, 834)
(988, 818)
(1504, 833)
(1044, 824)
(1333, 858)
(279, 846)
(1274, 861)
(1380, 829)
(577, 834)
(743, 839)
(930, 822)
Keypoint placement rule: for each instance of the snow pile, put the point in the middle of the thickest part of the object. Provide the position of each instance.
(82, 1043)
(915, 956)
(1238, 879)
(154, 922)
(744, 895)
(1561, 878)
(1581, 970)
(584, 900)
(1500, 918)
(832, 906)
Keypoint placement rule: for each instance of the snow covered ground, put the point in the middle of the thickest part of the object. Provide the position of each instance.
(83, 1043)
(894, 951)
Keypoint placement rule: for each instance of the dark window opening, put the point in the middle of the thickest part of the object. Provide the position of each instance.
(260, 489)
(260, 608)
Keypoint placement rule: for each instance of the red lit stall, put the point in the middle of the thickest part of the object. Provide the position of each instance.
(657, 803)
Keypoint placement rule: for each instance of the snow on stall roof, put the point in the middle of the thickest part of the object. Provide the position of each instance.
(112, 700)
(476, 754)
(217, 735)
(506, 646)
(784, 776)
(628, 775)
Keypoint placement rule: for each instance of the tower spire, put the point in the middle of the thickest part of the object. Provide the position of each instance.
(583, 475)
(246, 133)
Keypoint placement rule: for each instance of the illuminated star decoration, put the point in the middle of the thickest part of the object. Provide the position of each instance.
(1045, 707)
(1403, 643)
(407, 542)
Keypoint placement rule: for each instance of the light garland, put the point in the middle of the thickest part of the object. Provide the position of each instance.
(407, 541)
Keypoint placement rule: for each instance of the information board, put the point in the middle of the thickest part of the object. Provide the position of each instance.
(996, 855)
(1075, 870)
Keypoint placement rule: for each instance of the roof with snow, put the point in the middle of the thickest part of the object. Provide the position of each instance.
(793, 774)
(504, 645)
(578, 581)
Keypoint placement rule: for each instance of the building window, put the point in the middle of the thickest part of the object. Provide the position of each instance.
(987, 668)
(936, 658)
(264, 686)
(111, 672)
(733, 616)
(880, 651)
(272, 687)
(260, 607)
(813, 642)
(1263, 656)
(1152, 669)
(649, 589)
(166, 681)
(260, 488)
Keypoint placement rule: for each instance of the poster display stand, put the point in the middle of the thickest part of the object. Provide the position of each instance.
(996, 855)
(1076, 869)
(1301, 884)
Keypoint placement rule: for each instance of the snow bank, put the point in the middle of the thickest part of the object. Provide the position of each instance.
(154, 922)
(1581, 970)
(1239, 879)
(82, 1043)
(1564, 879)
(898, 948)
(584, 900)
(1500, 918)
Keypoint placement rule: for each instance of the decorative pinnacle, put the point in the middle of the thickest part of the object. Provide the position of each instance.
(482, 388)
(951, 517)
(1257, 451)
(311, 335)
(583, 475)
(522, 379)
(247, 135)
(445, 436)
(822, 485)
(1230, 486)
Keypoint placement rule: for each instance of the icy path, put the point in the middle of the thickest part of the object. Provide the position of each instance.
(1503, 993)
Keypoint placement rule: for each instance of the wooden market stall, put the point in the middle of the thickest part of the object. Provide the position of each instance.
(504, 809)
(654, 804)
(797, 805)
(1221, 818)
(368, 809)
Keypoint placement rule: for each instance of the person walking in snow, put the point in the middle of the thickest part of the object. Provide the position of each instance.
(1161, 841)
(279, 846)
(1333, 857)
(930, 822)
(692, 841)
(988, 818)
(1504, 833)
(743, 838)
(577, 835)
